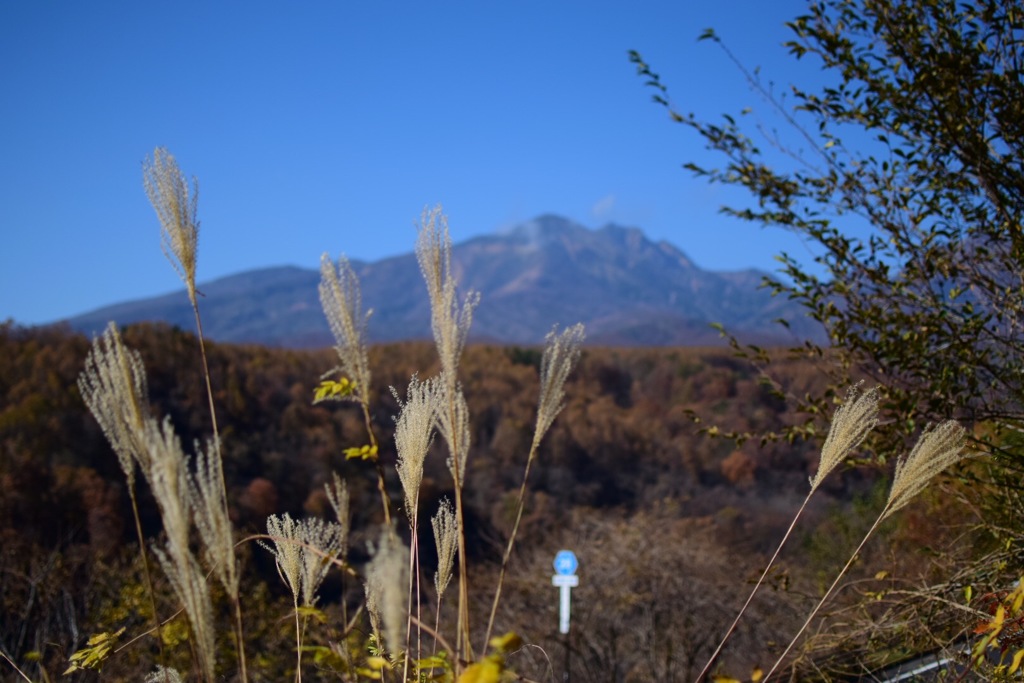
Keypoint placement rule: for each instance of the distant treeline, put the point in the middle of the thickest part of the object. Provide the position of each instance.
(624, 448)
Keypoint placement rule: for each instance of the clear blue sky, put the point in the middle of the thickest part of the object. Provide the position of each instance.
(328, 126)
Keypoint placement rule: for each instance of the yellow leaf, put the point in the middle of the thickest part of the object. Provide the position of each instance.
(756, 675)
(881, 575)
(93, 657)
(362, 452)
(436, 662)
(968, 593)
(510, 642)
(329, 389)
(999, 618)
(1017, 657)
(486, 671)
(725, 679)
(378, 663)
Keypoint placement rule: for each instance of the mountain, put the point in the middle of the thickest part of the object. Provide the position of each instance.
(626, 289)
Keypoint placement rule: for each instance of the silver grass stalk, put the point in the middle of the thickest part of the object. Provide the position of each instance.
(288, 559)
(935, 451)
(414, 432)
(341, 300)
(450, 321)
(304, 552)
(169, 482)
(209, 512)
(850, 425)
(446, 531)
(342, 304)
(113, 386)
(561, 353)
(176, 207)
(386, 584)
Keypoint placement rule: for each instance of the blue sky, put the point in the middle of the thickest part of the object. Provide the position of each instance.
(329, 126)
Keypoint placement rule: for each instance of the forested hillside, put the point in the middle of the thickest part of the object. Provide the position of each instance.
(669, 524)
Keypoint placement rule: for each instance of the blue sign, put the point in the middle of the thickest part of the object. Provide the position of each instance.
(566, 562)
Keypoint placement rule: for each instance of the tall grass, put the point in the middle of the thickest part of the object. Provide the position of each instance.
(191, 494)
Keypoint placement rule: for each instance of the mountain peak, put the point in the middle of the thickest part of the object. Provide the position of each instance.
(540, 230)
(549, 270)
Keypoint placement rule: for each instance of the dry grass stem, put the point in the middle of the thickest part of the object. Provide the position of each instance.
(341, 299)
(450, 322)
(176, 207)
(936, 450)
(561, 351)
(305, 551)
(114, 387)
(850, 425)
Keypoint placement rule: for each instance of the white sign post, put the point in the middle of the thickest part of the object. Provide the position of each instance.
(566, 579)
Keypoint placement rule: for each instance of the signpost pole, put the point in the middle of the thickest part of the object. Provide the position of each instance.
(566, 579)
(568, 652)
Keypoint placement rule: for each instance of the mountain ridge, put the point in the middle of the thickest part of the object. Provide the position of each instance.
(627, 290)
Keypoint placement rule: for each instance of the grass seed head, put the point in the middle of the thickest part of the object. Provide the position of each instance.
(851, 423)
(937, 449)
(176, 207)
(341, 300)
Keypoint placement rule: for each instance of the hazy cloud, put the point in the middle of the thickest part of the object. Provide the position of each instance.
(602, 208)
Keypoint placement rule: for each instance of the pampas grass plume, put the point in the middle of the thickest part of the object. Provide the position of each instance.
(414, 430)
(341, 300)
(176, 207)
(446, 532)
(113, 386)
(937, 449)
(850, 425)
